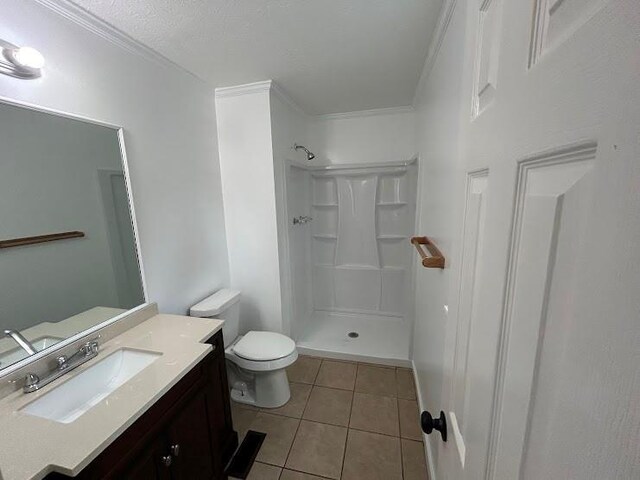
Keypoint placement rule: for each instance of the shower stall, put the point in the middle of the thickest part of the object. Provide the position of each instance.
(350, 259)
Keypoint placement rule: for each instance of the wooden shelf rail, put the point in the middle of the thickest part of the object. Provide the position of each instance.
(435, 260)
(52, 237)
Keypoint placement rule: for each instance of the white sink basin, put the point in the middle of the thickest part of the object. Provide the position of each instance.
(16, 354)
(70, 400)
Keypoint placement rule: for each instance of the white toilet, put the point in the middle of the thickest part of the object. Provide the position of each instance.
(256, 361)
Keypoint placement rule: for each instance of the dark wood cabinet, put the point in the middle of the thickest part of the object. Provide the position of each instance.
(186, 435)
(148, 465)
(190, 443)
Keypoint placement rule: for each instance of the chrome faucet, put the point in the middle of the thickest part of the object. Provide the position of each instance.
(63, 365)
(20, 340)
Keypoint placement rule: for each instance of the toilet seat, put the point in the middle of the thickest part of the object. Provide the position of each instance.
(264, 346)
(260, 365)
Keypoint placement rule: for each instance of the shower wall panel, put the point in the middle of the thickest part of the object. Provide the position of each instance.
(356, 242)
(363, 218)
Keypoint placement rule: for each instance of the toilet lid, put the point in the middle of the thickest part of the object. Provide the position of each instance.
(264, 346)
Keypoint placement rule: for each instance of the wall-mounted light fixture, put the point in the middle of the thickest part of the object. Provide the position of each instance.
(20, 62)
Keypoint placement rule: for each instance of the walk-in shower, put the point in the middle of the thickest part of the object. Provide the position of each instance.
(350, 267)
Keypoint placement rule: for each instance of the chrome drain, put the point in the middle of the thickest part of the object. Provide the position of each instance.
(353, 334)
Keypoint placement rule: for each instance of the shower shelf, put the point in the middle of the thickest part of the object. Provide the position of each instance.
(391, 237)
(325, 235)
(325, 205)
(393, 268)
(391, 204)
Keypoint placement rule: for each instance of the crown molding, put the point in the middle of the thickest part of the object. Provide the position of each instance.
(97, 26)
(282, 95)
(257, 87)
(245, 89)
(365, 113)
(446, 13)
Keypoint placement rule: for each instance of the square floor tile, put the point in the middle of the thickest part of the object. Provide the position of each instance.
(335, 374)
(409, 419)
(329, 405)
(246, 406)
(262, 471)
(414, 465)
(291, 475)
(376, 380)
(318, 449)
(404, 384)
(242, 419)
(280, 434)
(375, 413)
(370, 456)
(304, 370)
(295, 406)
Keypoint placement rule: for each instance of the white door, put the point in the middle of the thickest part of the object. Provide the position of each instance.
(545, 380)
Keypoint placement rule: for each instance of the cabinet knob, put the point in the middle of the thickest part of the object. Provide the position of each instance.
(175, 449)
(167, 460)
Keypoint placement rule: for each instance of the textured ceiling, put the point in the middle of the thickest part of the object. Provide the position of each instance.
(330, 56)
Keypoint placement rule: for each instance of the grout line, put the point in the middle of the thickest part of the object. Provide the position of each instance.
(306, 473)
(378, 433)
(400, 437)
(315, 377)
(298, 427)
(346, 442)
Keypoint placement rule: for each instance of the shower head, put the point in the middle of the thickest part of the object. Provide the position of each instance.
(310, 156)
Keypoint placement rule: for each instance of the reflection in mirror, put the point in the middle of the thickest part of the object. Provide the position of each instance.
(68, 257)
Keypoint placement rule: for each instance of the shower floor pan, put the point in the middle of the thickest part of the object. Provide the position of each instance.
(379, 339)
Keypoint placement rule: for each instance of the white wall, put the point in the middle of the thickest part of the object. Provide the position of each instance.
(373, 136)
(170, 126)
(289, 126)
(438, 112)
(248, 186)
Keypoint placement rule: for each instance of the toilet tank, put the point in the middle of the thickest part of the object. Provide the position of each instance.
(225, 305)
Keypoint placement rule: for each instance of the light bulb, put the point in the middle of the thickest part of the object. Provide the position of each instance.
(28, 57)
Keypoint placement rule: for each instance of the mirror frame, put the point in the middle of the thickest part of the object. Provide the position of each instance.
(125, 169)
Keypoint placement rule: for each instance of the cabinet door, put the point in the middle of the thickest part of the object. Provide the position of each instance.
(150, 465)
(190, 442)
(224, 438)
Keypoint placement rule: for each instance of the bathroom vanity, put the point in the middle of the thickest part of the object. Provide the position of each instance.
(186, 434)
(172, 419)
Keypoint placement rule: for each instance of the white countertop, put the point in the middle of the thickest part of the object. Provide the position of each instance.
(31, 447)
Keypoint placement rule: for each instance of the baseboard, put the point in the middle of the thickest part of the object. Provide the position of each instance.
(426, 439)
(391, 362)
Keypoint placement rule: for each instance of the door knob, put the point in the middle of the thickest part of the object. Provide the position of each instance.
(167, 460)
(429, 424)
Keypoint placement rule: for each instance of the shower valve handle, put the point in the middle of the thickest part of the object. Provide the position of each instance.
(301, 220)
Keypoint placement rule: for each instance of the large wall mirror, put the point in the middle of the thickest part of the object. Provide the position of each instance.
(68, 250)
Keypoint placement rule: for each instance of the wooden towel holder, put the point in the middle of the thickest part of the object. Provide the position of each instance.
(436, 260)
(52, 237)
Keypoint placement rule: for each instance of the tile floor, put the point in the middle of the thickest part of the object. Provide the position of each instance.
(344, 421)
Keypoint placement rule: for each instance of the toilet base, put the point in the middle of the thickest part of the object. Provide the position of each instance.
(259, 389)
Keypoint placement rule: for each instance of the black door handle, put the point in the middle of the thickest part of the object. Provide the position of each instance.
(429, 424)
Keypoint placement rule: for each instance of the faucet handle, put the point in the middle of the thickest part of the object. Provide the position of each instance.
(62, 362)
(30, 380)
(91, 347)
